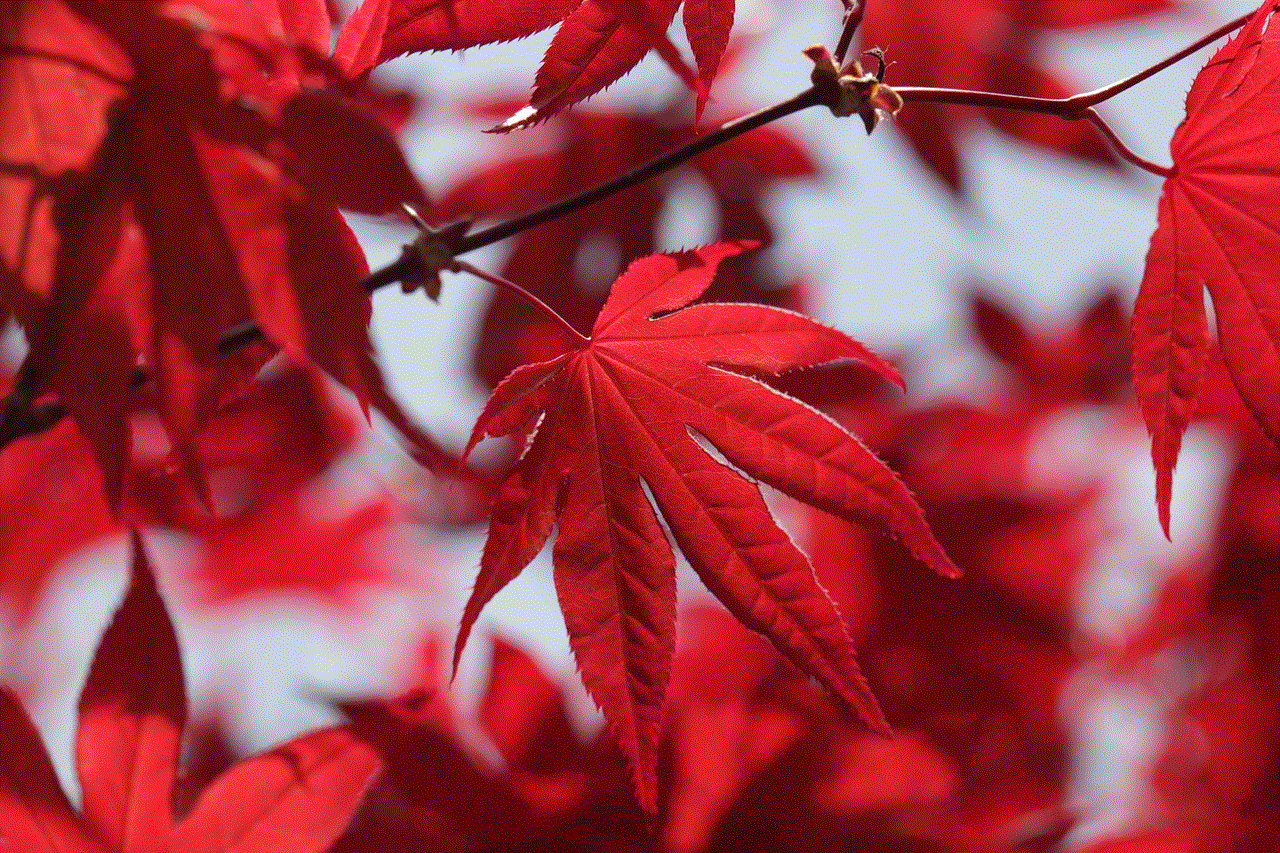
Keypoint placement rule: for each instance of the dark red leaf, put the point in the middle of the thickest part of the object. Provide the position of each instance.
(206, 204)
(707, 24)
(524, 715)
(35, 816)
(323, 131)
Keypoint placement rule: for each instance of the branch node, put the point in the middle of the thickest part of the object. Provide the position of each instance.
(436, 250)
(851, 90)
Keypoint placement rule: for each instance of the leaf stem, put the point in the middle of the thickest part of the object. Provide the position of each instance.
(574, 335)
(1097, 96)
(1100, 124)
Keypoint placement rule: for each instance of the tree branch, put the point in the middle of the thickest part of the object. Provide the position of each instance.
(1075, 108)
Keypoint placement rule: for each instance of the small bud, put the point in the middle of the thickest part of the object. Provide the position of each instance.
(435, 250)
(856, 91)
(824, 65)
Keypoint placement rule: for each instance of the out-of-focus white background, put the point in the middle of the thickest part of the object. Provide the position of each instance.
(892, 253)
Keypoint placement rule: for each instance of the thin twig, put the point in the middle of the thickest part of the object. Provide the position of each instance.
(852, 19)
(808, 98)
(409, 265)
(1097, 96)
(1064, 108)
(1076, 107)
(574, 335)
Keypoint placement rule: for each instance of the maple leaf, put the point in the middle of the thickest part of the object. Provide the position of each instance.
(598, 41)
(51, 502)
(1087, 362)
(551, 791)
(627, 409)
(210, 130)
(296, 798)
(1216, 228)
(418, 25)
(986, 45)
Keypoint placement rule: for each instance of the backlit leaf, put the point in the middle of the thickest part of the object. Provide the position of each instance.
(1218, 227)
(631, 408)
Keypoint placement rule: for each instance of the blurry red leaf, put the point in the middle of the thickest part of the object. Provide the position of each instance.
(718, 750)
(1216, 228)
(52, 504)
(297, 798)
(1085, 362)
(324, 131)
(52, 118)
(307, 21)
(625, 407)
(523, 713)
(441, 784)
(297, 546)
(985, 45)
(360, 39)
(132, 712)
(206, 202)
(294, 799)
(1159, 841)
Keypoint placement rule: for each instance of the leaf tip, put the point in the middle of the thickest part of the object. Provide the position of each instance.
(1164, 495)
(522, 118)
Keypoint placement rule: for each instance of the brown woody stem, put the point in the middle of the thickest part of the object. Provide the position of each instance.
(808, 98)
(854, 10)
(409, 265)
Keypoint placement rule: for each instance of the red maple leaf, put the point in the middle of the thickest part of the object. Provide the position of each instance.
(989, 45)
(629, 408)
(295, 798)
(550, 791)
(1084, 362)
(200, 125)
(1217, 228)
(598, 42)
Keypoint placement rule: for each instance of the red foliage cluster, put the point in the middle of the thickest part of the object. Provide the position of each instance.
(173, 251)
